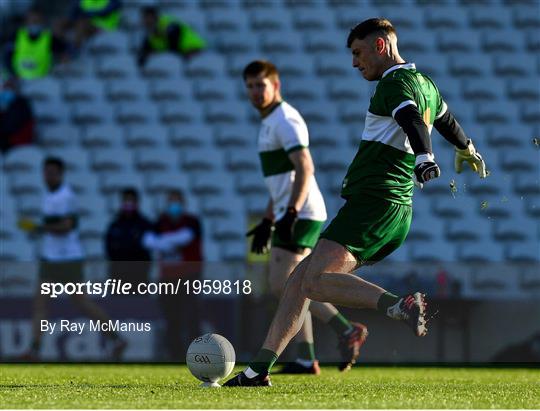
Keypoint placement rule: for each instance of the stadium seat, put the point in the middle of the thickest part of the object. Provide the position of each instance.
(112, 183)
(432, 64)
(207, 65)
(433, 250)
(181, 113)
(515, 64)
(211, 250)
(92, 204)
(61, 135)
(92, 227)
(240, 135)
(335, 159)
(526, 159)
(136, 113)
(345, 19)
(17, 249)
(24, 158)
(334, 65)
(29, 205)
(26, 182)
(244, 160)
(524, 252)
(296, 69)
(518, 228)
(163, 66)
(312, 20)
(202, 159)
(425, 226)
(156, 159)
(328, 41)
(224, 113)
(45, 89)
(529, 278)
(80, 68)
(222, 21)
(251, 183)
(401, 255)
(495, 41)
(308, 89)
(162, 181)
(469, 64)
(116, 66)
(491, 88)
(496, 112)
(50, 112)
(127, 89)
(149, 135)
(222, 205)
(450, 18)
(75, 158)
(526, 17)
(279, 42)
(417, 40)
(229, 228)
(350, 114)
(84, 113)
(93, 249)
(465, 41)
(8, 227)
(233, 250)
(527, 184)
(511, 135)
(106, 135)
(480, 251)
(492, 17)
(170, 89)
(187, 135)
(83, 90)
(531, 113)
(235, 42)
(316, 114)
(469, 228)
(269, 20)
(114, 159)
(256, 203)
(328, 135)
(220, 88)
(520, 89)
(210, 183)
(109, 43)
(487, 280)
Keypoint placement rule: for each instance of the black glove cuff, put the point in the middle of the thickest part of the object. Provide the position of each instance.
(267, 222)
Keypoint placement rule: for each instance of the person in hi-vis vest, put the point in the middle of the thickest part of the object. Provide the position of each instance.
(90, 16)
(30, 53)
(167, 33)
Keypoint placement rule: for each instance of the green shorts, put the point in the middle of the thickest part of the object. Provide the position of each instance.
(305, 235)
(61, 271)
(370, 228)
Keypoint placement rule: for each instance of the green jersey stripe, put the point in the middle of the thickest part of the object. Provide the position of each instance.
(275, 162)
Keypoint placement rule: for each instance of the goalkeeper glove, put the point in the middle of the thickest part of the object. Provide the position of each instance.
(472, 157)
(425, 169)
(261, 235)
(285, 226)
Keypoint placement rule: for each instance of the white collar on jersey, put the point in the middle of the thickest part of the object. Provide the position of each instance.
(398, 66)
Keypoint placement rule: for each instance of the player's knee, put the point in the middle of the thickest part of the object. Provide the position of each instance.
(310, 284)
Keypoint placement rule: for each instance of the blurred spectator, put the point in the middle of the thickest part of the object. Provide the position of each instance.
(167, 33)
(16, 117)
(89, 16)
(129, 259)
(62, 255)
(31, 52)
(443, 283)
(183, 260)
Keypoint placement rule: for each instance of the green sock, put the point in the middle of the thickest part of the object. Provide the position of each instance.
(306, 351)
(339, 324)
(386, 300)
(263, 361)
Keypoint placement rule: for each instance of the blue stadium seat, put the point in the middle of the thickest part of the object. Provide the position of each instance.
(163, 66)
(109, 42)
(26, 182)
(75, 158)
(207, 65)
(113, 182)
(130, 113)
(170, 89)
(224, 113)
(210, 182)
(83, 90)
(45, 89)
(24, 158)
(465, 41)
(116, 66)
(191, 135)
(151, 159)
(63, 135)
(220, 88)
(106, 135)
(243, 160)
(112, 159)
(251, 183)
(495, 41)
(162, 181)
(92, 112)
(239, 135)
(202, 159)
(127, 89)
(328, 41)
(150, 135)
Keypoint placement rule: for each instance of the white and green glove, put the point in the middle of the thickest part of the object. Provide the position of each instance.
(472, 157)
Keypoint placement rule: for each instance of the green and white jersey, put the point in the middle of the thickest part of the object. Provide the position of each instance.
(384, 163)
(282, 132)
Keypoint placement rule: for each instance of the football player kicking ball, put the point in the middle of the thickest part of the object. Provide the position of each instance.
(378, 188)
(296, 210)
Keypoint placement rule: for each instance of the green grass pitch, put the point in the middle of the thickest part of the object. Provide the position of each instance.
(169, 386)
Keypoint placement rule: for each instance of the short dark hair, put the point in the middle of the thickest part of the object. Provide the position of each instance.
(267, 68)
(364, 29)
(130, 191)
(151, 10)
(176, 192)
(54, 161)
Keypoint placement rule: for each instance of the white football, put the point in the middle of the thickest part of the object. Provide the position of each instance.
(210, 358)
